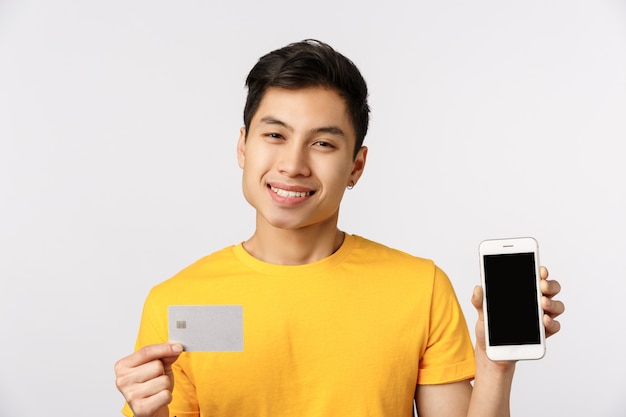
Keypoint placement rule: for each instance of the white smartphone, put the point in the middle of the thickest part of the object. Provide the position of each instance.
(509, 270)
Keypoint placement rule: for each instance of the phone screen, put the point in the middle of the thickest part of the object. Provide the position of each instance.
(511, 297)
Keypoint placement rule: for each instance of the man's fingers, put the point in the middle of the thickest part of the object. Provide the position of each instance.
(552, 326)
(550, 288)
(552, 308)
(147, 363)
(145, 378)
(151, 352)
(147, 389)
(139, 374)
(169, 360)
(150, 406)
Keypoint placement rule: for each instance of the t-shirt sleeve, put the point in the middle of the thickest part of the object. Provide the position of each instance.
(449, 355)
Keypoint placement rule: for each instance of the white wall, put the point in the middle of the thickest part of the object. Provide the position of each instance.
(118, 123)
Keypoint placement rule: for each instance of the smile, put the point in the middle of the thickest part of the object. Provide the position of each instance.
(290, 194)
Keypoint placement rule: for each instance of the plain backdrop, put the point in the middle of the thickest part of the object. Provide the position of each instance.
(118, 125)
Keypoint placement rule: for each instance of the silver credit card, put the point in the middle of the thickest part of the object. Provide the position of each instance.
(207, 328)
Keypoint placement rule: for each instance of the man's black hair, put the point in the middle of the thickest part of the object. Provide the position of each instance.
(310, 63)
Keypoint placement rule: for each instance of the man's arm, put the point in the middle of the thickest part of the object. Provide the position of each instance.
(490, 396)
(444, 399)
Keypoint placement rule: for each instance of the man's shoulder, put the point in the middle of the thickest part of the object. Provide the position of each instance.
(218, 261)
(365, 244)
(372, 252)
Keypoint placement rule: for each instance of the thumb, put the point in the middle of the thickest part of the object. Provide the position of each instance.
(477, 301)
(168, 361)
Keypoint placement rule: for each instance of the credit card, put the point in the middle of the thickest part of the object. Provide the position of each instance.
(206, 328)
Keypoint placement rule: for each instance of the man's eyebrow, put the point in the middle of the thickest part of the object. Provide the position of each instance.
(269, 120)
(331, 129)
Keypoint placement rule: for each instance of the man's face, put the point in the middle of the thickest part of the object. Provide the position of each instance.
(297, 158)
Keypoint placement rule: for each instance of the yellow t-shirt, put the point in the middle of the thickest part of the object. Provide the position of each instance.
(351, 334)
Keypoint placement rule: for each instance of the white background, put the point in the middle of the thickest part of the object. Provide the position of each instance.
(118, 125)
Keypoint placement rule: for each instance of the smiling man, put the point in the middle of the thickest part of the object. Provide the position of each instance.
(333, 324)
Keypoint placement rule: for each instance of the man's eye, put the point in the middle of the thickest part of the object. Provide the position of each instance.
(323, 144)
(274, 135)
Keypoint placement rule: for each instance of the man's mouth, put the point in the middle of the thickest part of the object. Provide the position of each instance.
(291, 194)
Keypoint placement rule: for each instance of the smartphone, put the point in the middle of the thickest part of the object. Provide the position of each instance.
(509, 270)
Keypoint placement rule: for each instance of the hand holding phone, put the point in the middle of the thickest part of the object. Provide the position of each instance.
(514, 327)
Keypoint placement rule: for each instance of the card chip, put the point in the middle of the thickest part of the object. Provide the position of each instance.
(182, 324)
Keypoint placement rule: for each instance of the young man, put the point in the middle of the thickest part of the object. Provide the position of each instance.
(334, 324)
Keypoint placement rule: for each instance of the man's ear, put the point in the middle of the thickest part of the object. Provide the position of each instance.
(241, 147)
(359, 164)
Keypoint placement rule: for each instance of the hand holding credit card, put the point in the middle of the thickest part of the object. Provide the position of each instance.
(206, 328)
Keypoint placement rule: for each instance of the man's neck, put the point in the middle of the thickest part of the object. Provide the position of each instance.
(294, 247)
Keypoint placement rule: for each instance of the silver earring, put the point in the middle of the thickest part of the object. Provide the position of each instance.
(351, 186)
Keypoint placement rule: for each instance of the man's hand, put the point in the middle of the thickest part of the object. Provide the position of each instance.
(552, 308)
(492, 384)
(145, 379)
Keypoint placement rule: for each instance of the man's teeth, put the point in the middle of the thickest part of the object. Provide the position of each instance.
(290, 194)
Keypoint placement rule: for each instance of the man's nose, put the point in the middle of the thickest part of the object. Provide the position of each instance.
(294, 161)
